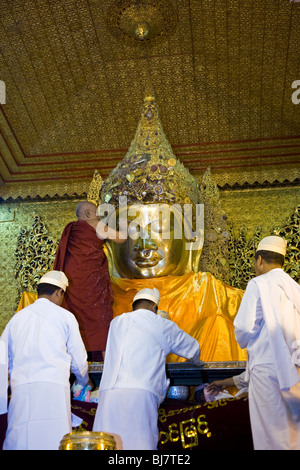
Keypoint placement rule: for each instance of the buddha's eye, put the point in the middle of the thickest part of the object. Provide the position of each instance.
(162, 227)
(156, 226)
(134, 229)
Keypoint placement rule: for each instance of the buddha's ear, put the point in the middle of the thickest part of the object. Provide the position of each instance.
(195, 236)
(110, 258)
(196, 256)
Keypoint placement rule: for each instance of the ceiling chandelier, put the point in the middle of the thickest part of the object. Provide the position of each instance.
(141, 21)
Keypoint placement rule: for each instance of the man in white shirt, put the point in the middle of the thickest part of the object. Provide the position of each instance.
(134, 382)
(39, 348)
(268, 325)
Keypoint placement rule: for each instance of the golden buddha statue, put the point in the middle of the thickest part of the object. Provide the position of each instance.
(165, 240)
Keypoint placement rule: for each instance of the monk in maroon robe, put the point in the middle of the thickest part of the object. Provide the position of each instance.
(89, 297)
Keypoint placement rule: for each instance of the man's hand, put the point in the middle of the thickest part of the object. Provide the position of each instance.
(197, 362)
(92, 384)
(218, 385)
(243, 396)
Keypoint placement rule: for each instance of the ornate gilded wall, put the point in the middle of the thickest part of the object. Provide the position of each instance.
(13, 217)
(253, 214)
(249, 212)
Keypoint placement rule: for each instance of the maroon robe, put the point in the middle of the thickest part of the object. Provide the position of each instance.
(89, 295)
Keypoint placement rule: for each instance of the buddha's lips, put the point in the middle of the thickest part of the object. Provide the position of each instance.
(147, 258)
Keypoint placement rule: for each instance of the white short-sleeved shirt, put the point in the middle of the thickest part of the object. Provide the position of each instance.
(44, 344)
(250, 328)
(137, 345)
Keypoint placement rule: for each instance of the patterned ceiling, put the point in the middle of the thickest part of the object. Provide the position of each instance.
(74, 85)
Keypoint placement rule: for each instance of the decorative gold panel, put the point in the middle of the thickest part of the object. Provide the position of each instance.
(242, 250)
(35, 254)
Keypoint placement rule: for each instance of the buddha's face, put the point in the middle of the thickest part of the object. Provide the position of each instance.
(154, 247)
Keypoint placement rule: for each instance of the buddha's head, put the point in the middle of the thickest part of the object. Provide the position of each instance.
(159, 198)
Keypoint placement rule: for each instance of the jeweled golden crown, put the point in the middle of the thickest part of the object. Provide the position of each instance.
(150, 172)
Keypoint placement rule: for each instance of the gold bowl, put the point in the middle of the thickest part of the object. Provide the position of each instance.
(88, 440)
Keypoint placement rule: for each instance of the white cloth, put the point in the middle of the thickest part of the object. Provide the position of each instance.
(41, 343)
(137, 345)
(38, 417)
(130, 414)
(268, 325)
(240, 381)
(274, 414)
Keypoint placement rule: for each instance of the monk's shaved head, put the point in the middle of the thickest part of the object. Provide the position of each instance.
(85, 210)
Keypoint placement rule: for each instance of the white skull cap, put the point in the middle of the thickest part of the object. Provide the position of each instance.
(273, 243)
(56, 278)
(148, 294)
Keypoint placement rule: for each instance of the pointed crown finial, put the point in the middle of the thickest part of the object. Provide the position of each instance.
(150, 172)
